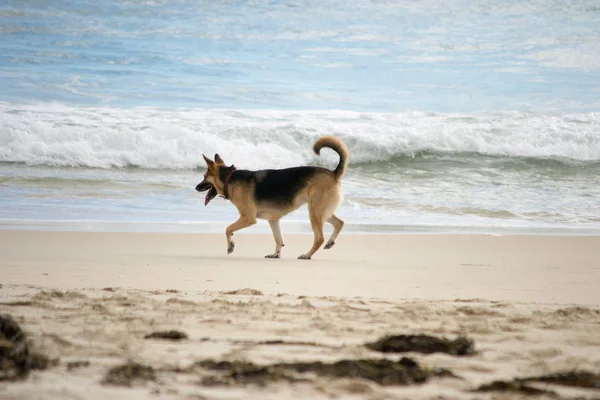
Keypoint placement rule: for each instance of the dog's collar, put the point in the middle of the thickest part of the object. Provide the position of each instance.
(226, 184)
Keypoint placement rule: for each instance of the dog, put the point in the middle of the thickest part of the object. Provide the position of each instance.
(273, 193)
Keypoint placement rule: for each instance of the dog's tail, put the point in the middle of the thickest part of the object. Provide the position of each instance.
(339, 147)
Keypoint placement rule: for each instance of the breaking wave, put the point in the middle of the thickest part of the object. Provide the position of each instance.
(158, 138)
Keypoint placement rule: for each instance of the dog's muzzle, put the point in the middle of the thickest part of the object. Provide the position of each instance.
(202, 186)
(212, 192)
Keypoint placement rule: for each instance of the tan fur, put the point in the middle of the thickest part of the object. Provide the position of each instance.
(339, 147)
(323, 193)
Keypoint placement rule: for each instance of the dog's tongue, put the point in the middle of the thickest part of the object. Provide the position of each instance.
(212, 193)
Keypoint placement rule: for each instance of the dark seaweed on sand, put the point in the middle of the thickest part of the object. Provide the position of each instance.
(77, 364)
(385, 372)
(167, 335)
(515, 386)
(129, 374)
(461, 346)
(579, 379)
(16, 358)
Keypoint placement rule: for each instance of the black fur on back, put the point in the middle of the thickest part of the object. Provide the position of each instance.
(278, 186)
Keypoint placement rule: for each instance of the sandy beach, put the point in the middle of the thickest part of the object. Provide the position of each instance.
(530, 304)
(466, 144)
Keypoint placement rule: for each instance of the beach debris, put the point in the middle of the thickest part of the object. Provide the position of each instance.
(16, 357)
(77, 364)
(247, 292)
(578, 379)
(421, 343)
(167, 335)
(272, 342)
(18, 303)
(514, 386)
(577, 312)
(279, 342)
(51, 295)
(129, 374)
(182, 302)
(406, 371)
(99, 308)
(243, 373)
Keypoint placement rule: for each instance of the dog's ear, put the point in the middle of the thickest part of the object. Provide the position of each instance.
(219, 160)
(209, 162)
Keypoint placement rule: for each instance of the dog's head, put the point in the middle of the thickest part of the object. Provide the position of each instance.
(210, 178)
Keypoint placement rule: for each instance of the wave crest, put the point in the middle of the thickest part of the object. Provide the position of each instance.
(153, 138)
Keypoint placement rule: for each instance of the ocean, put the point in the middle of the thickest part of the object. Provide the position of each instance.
(461, 116)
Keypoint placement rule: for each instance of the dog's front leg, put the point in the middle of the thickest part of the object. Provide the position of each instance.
(241, 223)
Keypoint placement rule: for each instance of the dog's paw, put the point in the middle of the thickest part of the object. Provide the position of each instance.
(231, 247)
(274, 255)
(329, 245)
(304, 257)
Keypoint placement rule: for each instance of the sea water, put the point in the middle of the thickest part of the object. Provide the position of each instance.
(460, 116)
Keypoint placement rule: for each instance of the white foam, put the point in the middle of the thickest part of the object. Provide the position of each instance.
(60, 135)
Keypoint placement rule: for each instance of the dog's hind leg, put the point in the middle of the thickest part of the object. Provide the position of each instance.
(316, 221)
(278, 239)
(241, 223)
(338, 224)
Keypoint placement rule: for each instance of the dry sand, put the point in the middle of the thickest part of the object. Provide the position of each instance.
(530, 303)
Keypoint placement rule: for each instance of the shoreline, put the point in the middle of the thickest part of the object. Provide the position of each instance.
(288, 226)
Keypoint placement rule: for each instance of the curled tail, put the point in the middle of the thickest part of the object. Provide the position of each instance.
(339, 147)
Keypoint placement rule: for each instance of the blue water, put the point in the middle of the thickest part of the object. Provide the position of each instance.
(459, 115)
(445, 56)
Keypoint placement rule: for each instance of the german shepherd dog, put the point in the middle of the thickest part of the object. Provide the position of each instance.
(273, 193)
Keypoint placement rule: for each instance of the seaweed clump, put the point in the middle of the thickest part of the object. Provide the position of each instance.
(578, 379)
(514, 386)
(384, 372)
(426, 344)
(167, 335)
(16, 358)
(129, 374)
